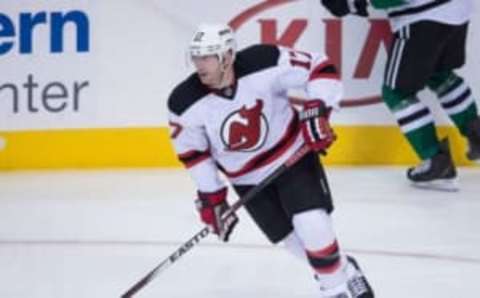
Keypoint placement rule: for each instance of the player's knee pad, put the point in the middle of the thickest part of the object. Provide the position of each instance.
(441, 81)
(314, 228)
(396, 99)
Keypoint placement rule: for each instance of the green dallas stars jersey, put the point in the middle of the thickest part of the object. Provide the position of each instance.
(405, 12)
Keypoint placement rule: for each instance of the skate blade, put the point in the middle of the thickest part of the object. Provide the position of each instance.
(476, 161)
(448, 185)
(474, 157)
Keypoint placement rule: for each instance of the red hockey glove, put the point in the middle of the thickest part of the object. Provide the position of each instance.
(212, 206)
(315, 125)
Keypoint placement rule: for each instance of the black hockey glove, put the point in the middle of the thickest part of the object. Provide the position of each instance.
(341, 8)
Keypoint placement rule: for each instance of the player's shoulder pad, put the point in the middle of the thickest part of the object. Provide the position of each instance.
(186, 94)
(256, 58)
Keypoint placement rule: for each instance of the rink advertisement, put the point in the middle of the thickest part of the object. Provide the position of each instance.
(47, 55)
(85, 83)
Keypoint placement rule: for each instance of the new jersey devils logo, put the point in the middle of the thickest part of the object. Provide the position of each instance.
(245, 129)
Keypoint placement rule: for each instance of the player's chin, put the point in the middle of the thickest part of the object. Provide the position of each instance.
(206, 79)
(202, 76)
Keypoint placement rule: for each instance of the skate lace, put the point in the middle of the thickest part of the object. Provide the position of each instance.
(423, 167)
(357, 286)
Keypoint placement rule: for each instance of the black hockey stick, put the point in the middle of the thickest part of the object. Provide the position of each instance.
(185, 247)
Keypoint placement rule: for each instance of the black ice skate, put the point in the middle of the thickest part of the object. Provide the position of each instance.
(473, 138)
(437, 173)
(357, 283)
(356, 286)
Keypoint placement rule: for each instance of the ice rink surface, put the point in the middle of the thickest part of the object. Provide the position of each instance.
(72, 234)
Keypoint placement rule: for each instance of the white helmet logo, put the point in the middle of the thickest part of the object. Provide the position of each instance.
(212, 39)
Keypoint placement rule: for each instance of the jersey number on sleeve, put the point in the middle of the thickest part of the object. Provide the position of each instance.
(176, 128)
(300, 59)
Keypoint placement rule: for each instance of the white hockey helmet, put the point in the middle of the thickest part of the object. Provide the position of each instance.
(212, 39)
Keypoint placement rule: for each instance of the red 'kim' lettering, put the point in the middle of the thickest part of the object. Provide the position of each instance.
(288, 39)
(333, 35)
(379, 34)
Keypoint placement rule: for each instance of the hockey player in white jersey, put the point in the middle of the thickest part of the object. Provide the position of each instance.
(428, 46)
(233, 115)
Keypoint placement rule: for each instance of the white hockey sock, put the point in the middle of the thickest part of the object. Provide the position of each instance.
(315, 230)
(295, 246)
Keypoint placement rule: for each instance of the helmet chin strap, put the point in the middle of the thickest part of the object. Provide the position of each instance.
(223, 71)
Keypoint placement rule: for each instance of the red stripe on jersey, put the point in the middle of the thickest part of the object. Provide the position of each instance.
(271, 155)
(191, 158)
(326, 70)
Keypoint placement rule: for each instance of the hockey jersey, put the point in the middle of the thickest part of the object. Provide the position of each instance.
(249, 129)
(454, 12)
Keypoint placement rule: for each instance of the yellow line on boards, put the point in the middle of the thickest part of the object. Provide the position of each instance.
(150, 147)
(87, 148)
